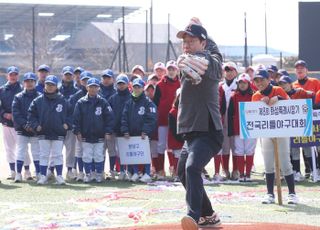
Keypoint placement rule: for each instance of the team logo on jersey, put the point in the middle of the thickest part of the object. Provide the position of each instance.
(59, 108)
(98, 111)
(141, 110)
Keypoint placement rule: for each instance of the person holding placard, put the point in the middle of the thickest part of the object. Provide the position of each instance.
(285, 82)
(139, 118)
(270, 95)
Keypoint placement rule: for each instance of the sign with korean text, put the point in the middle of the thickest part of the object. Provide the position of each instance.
(287, 118)
(134, 150)
(313, 140)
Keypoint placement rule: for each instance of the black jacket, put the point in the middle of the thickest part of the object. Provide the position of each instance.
(7, 93)
(20, 106)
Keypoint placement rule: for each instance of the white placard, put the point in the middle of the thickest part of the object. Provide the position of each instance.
(134, 150)
(287, 118)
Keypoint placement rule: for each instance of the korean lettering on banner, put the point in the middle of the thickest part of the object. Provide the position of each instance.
(134, 150)
(287, 118)
(313, 140)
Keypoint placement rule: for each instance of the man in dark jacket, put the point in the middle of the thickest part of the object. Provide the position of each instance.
(93, 123)
(117, 102)
(20, 106)
(7, 93)
(199, 121)
(49, 116)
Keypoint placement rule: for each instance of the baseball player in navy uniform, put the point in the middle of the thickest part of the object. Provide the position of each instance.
(139, 118)
(43, 72)
(49, 116)
(77, 72)
(85, 75)
(67, 89)
(117, 102)
(7, 93)
(92, 123)
(20, 106)
(106, 86)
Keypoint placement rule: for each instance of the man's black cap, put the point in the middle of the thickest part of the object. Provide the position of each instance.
(194, 31)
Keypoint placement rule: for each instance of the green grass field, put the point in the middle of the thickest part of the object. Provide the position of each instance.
(114, 204)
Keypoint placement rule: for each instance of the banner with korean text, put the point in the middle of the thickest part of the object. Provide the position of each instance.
(313, 140)
(287, 118)
(134, 150)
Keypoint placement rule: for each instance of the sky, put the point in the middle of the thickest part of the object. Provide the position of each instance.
(223, 19)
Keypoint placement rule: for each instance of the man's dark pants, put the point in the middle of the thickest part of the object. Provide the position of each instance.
(196, 153)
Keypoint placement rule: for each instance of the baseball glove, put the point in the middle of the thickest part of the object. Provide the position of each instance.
(193, 66)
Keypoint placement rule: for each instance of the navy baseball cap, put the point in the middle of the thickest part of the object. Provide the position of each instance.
(301, 63)
(285, 79)
(283, 72)
(193, 30)
(122, 78)
(93, 81)
(107, 73)
(51, 79)
(29, 76)
(261, 73)
(67, 70)
(138, 82)
(44, 67)
(78, 69)
(272, 68)
(13, 69)
(85, 75)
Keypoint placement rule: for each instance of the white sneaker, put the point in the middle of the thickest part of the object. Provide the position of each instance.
(18, 178)
(292, 199)
(298, 177)
(70, 176)
(268, 199)
(50, 175)
(146, 178)
(60, 180)
(12, 175)
(43, 180)
(99, 177)
(217, 177)
(135, 177)
(317, 176)
(27, 175)
(87, 178)
(80, 176)
(122, 176)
